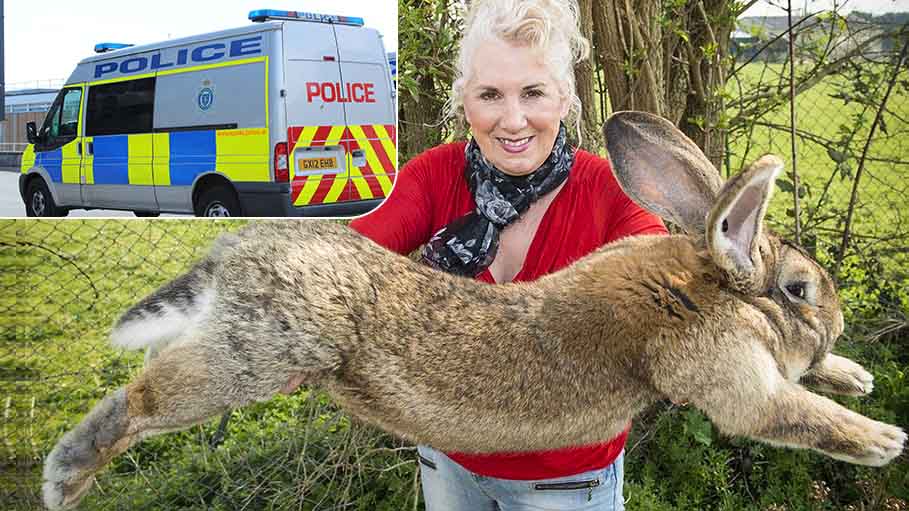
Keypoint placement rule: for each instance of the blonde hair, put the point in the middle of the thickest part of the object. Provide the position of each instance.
(550, 26)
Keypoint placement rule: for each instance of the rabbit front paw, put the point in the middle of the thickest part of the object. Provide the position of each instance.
(881, 443)
(839, 375)
(862, 381)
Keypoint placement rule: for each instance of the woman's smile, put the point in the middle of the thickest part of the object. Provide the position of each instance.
(515, 145)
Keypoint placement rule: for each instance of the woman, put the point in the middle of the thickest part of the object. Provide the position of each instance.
(513, 204)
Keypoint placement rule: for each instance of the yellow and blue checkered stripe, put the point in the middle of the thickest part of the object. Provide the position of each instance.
(162, 159)
(177, 158)
(62, 164)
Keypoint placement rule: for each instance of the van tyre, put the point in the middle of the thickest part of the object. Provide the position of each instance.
(219, 201)
(39, 202)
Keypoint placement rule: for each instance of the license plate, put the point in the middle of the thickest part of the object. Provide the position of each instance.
(317, 163)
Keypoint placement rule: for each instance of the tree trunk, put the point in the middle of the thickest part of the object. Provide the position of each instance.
(670, 59)
(591, 137)
(627, 40)
(710, 24)
(419, 116)
(428, 42)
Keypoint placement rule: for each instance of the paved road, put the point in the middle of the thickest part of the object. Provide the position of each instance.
(11, 204)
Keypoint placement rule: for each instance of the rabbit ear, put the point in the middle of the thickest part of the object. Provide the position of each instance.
(734, 227)
(661, 169)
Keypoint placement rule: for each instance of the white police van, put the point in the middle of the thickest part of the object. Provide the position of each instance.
(290, 116)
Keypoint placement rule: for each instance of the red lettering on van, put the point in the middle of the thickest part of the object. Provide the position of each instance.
(333, 92)
(354, 87)
(328, 93)
(312, 90)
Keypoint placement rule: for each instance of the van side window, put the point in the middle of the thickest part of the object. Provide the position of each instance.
(121, 107)
(63, 119)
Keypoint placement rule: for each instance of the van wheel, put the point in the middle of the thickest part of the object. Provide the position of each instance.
(218, 201)
(146, 214)
(39, 202)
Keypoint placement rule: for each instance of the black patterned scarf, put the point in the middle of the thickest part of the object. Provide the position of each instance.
(468, 244)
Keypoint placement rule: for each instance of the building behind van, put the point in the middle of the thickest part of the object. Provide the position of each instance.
(290, 116)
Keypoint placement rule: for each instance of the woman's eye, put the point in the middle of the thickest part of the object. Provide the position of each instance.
(796, 289)
(488, 96)
(534, 93)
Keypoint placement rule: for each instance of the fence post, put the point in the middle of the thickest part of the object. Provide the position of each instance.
(792, 129)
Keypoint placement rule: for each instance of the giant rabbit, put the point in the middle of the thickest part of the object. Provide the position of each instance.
(728, 317)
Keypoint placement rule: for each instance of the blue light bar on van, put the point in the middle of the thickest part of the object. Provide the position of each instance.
(106, 47)
(271, 14)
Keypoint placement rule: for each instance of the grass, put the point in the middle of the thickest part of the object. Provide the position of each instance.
(64, 283)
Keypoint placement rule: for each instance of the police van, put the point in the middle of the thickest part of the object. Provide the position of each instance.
(290, 116)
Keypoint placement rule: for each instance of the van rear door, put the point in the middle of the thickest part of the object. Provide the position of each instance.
(315, 115)
(369, 112)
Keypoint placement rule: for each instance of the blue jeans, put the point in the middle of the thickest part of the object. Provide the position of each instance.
(448, 486)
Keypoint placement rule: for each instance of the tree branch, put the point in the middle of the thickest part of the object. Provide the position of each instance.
(744, 8)
(792, 129)
(861, 166)
(814, 76)
(771, 41)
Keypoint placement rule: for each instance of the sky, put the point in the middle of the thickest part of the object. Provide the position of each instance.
(44, 40)
(777, 7)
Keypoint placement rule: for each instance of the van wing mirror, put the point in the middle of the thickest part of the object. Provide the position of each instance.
(31, 132)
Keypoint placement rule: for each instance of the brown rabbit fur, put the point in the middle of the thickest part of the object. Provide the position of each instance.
(728, 318)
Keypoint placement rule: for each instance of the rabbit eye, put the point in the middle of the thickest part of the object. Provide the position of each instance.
(796, 289)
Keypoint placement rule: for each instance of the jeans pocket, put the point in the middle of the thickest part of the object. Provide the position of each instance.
(574, 492)
(567, 485)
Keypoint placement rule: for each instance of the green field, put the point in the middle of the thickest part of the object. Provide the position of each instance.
(64, 284)
(883, 192)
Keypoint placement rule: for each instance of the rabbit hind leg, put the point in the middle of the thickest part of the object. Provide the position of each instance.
(180, 388)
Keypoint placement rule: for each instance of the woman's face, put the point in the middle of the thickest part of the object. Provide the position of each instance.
(513, 106)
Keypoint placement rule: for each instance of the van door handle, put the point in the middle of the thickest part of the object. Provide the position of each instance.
(91, 148)
(79, 148)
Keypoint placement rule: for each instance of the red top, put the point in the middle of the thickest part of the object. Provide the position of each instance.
(588, 212)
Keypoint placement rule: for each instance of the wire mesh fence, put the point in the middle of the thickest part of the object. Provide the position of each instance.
(843, 133)
(63, 285)
(831, 135)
